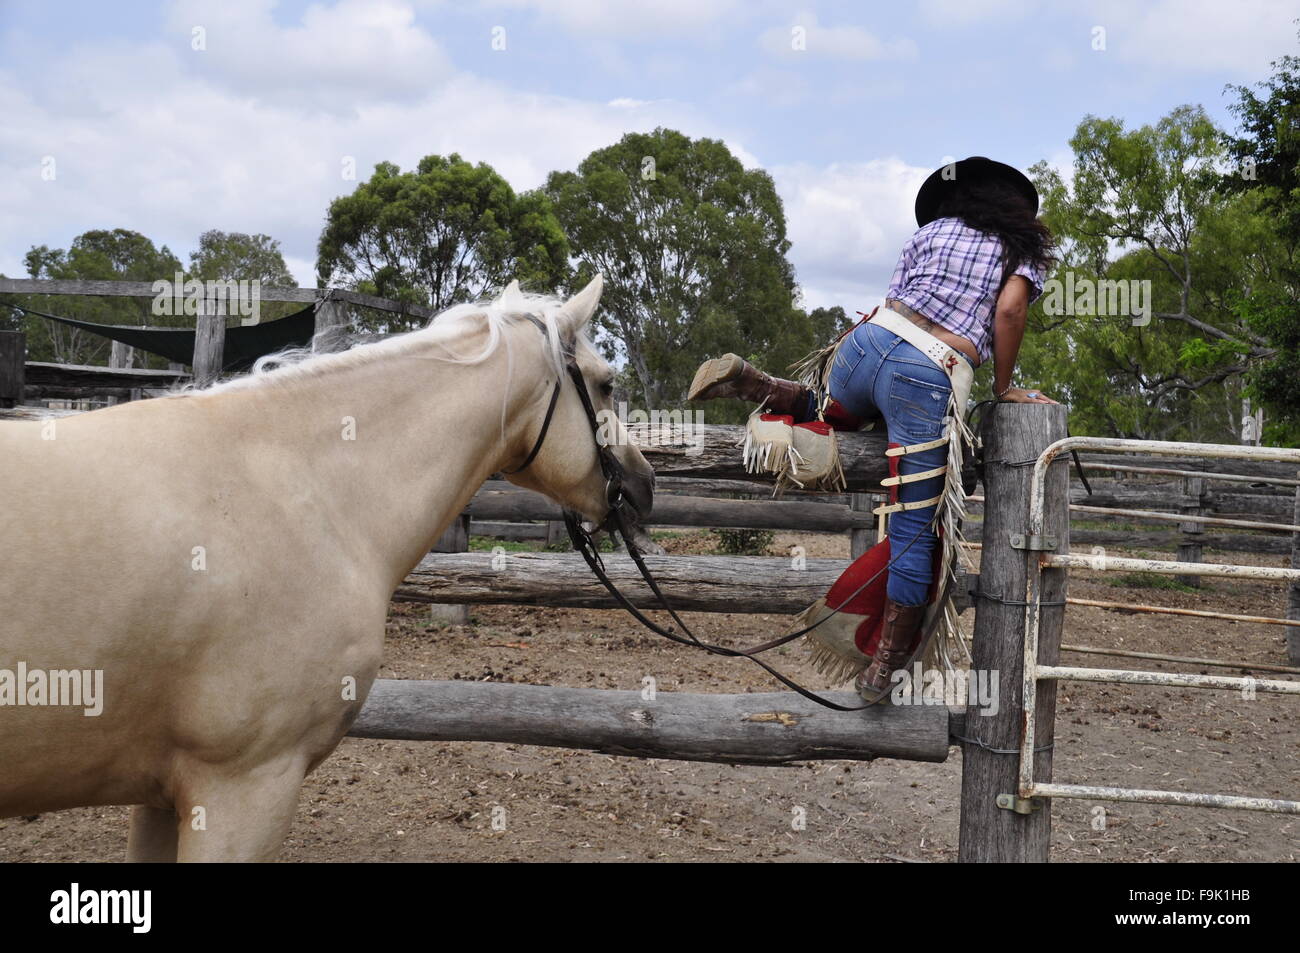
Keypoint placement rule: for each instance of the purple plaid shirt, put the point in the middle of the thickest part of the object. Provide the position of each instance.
(950, 273)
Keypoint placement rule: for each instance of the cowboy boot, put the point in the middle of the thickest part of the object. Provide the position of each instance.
(732, 376)
(897, 643)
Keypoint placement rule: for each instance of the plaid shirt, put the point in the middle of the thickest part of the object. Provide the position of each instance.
(950, 273)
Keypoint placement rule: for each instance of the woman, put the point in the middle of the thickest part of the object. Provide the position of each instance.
(959, 296)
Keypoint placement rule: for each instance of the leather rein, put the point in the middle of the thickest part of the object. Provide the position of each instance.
(582, 540)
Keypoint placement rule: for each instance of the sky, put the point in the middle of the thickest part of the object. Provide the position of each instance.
(172, 117)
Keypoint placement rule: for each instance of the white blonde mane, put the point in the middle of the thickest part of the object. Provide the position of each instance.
(511, 307)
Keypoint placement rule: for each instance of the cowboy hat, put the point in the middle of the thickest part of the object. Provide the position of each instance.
(972, 171)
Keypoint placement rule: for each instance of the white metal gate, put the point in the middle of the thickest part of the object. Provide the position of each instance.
(1036, 545)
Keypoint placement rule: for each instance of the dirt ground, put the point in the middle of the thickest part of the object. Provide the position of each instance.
(419, 801)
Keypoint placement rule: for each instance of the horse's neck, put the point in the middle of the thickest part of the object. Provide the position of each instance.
(394, 448)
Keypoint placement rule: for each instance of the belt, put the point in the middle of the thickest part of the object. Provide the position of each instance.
(947, 358)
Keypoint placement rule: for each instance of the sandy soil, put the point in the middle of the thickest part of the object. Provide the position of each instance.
(388, 801)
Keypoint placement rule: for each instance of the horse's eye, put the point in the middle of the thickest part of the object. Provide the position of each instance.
(607, 388)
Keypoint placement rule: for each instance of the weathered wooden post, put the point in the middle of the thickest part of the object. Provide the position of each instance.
(331, 325)
(13, 369)
(861, 538)
(1014, 436)
(1293, 602)
(121, 355)
(454, 539)
(1190, 549)
(209, 341)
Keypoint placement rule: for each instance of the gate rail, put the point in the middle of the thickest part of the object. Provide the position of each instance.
(1039, 557)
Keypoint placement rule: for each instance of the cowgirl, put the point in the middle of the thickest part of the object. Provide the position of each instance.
(958, 297)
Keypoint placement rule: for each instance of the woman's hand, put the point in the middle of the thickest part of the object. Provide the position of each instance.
(1018, 395)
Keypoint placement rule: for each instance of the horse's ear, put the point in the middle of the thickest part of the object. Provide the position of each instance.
(577, 311)
(511, 290)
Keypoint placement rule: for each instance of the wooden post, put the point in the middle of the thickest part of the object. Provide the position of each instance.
(1014, 436)
(556, 533)
(121, 355)
(331, 326)
(861, 539)
(209, 342)
(455, 539)
(1190, 549)
(1293, 602)
(13, 355)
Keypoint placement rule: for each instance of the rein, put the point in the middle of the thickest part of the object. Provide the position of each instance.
(613, 472)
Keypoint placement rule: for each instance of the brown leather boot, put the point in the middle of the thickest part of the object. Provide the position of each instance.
(733, 376)
(898, 641)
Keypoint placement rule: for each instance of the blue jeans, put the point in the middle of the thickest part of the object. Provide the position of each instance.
(875, 371)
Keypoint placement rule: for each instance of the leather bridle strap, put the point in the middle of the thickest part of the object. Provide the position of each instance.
(541, 435)
(582, 541)
(550, 408)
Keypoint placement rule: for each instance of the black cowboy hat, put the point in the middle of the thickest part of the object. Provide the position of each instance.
(975, 170)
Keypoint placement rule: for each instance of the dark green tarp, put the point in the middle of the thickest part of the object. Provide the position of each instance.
(244, 344)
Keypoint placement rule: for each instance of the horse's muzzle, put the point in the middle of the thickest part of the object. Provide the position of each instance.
(638, 495)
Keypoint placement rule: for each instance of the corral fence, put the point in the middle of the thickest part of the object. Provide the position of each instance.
(1018, 597)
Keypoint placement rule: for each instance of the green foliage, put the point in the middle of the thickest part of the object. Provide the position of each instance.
(117, 255)
(236, 256)
(485, 544)
(1266, 167)
(446, 233)
(744, 542)
(1145, 206)
(692, 246)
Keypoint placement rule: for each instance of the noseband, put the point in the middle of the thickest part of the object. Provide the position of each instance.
(617, 518)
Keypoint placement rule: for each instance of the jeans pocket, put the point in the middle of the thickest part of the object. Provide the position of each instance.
(917, 408)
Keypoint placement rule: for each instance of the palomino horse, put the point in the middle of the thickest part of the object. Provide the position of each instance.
(224, 559)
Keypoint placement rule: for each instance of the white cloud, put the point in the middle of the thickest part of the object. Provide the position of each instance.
(847, 223)
(1238, 38)
(682, 19)
(354, 50)
(805, 36)
(171, 151)
(963, 12)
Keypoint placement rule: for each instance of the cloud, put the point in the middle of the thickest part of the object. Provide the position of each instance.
(1238, 38)
(681, 19)
(805, 36)
(170, 151)
(963, 12)
(847, 223)
(356, 50)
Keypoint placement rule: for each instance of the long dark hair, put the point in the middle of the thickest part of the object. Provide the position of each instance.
(1000, 210)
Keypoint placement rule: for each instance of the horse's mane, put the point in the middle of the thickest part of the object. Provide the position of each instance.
(446, 327)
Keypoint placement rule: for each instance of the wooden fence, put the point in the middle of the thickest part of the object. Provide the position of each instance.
(780, 727)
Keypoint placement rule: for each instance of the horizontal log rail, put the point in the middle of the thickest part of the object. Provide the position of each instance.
(750, 584)
(516, 504)
(145, 289)
(768, 728)
(43, 372)
(713, 451)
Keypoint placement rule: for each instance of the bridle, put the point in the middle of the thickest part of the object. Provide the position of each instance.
(582, 540)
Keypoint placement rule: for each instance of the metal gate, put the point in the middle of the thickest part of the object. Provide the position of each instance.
(1037, 546)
